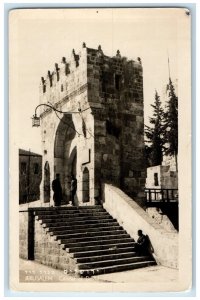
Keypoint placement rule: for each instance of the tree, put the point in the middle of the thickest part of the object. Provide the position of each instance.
(155, 133)
(171, 123)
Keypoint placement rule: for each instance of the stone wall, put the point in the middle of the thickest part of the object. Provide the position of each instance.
(115, 93)
(26, 234)
(23, 235)
(30, 176)
(36, 243)
(47, 251)
(132, 217)
(160, 218)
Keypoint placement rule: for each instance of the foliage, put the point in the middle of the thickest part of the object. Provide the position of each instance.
(155, 133)
(171, 122)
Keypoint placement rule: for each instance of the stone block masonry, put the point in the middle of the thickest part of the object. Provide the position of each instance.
(37, 244)
(110, 127)
(26, 234)
(48, 252)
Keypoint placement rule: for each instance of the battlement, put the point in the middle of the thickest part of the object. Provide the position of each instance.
(63, 72)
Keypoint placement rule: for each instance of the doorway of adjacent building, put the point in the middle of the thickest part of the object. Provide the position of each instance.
(86, 185)
(47, 183)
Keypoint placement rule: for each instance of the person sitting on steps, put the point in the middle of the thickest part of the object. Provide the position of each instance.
(142, 245)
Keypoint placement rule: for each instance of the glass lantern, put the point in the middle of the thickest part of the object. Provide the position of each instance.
(35, 121)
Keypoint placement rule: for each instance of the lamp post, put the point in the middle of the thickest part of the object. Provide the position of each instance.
(36, 118)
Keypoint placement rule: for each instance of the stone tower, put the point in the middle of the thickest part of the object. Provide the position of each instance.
(102, 138)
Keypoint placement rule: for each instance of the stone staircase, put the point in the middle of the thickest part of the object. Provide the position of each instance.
(93, 239)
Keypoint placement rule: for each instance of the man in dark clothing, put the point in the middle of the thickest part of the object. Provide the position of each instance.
(56, 187)
(142, 245)
(73, 188)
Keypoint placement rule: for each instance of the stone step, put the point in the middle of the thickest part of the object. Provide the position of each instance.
(53, 208)
(87, 234)
(75, 219)
(83, 230)
(95, 242)
(101, 257)
(90, 207)
(111, 262)
(78, 216)
(123, 249)
(70, 213)
(44, 210)
(96, 222)
(74, 227)
(116, 268)
(99, 247)
(91, 238)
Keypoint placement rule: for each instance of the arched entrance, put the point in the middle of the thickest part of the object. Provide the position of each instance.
(65, 154)
(86, 185)
(47, 183)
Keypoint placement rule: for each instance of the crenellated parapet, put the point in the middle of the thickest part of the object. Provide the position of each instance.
(84, 67)
(62, 73)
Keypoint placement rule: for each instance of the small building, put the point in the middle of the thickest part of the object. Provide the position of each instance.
(161, 177)
(30, 176)
(162, 191)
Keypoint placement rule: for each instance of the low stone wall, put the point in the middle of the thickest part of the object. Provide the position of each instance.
(36, 243)
(132, 217)
(38, 203)
(48, 252)
(23, 234)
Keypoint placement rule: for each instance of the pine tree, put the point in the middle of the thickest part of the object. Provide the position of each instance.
(154, 134)
(171, 122)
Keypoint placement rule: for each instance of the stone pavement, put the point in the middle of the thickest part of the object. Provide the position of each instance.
(31, 271)
(148, 274)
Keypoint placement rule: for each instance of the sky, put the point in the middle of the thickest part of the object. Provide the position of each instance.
(40, 38)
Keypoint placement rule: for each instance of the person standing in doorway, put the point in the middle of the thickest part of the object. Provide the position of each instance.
(57, 189)
(73, 188)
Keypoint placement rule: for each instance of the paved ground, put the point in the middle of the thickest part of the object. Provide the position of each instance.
(31, 271)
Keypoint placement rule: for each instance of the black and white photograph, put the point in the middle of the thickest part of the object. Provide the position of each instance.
(100, 149)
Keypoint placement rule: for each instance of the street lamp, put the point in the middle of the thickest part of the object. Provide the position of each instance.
(36, 119)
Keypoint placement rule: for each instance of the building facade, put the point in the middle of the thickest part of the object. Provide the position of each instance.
(101, 138)
(30, 176)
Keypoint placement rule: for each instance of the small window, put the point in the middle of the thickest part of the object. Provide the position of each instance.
(112, 129)
(61, 87)
(117, 81)
(156, 179)
(36, 168)
(23, 168)
(107, 81)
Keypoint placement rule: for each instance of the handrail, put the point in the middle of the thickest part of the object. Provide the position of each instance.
(161, 195)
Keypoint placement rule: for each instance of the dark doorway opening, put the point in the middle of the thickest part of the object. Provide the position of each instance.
(47, 184)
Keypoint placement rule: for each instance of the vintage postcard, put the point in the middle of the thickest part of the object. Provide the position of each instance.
(100, 150)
